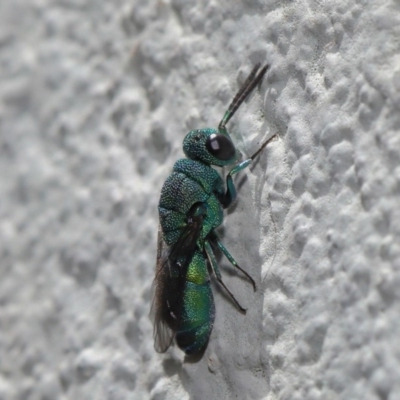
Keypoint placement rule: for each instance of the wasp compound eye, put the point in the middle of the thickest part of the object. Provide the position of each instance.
(220, 146)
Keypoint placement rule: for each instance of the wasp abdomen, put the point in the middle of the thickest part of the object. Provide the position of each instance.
(198, 310)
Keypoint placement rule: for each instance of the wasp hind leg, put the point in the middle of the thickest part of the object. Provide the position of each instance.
(229, 256)
(214, 266)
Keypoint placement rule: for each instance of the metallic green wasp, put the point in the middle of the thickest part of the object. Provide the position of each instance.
(190, 209)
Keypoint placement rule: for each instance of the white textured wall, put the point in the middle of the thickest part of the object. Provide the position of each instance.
(95, 99)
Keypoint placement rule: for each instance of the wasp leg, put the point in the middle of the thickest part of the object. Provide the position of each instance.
(214, 266)
(229, 256)
(230, 195)
(250, 83)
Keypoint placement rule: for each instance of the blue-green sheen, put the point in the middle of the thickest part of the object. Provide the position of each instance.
(190, 209)
(198, 310)
(191, 182)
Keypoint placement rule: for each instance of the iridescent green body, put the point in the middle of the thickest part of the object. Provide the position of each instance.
(191, 182)
(190, 209)
(198, 310)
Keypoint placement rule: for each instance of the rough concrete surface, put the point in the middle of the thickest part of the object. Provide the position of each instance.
(95, 99)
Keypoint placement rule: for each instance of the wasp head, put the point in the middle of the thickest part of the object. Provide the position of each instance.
(210, 147)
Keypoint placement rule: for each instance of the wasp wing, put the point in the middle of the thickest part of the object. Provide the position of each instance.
(162, 333)
(171, 268)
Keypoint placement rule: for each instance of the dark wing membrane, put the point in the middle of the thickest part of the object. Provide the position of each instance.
(162, 333)
(171, 267)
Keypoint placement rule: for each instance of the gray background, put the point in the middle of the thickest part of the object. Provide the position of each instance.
(95, 100)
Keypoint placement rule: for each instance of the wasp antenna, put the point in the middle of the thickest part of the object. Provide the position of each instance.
(250, 83)
(263, 146)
